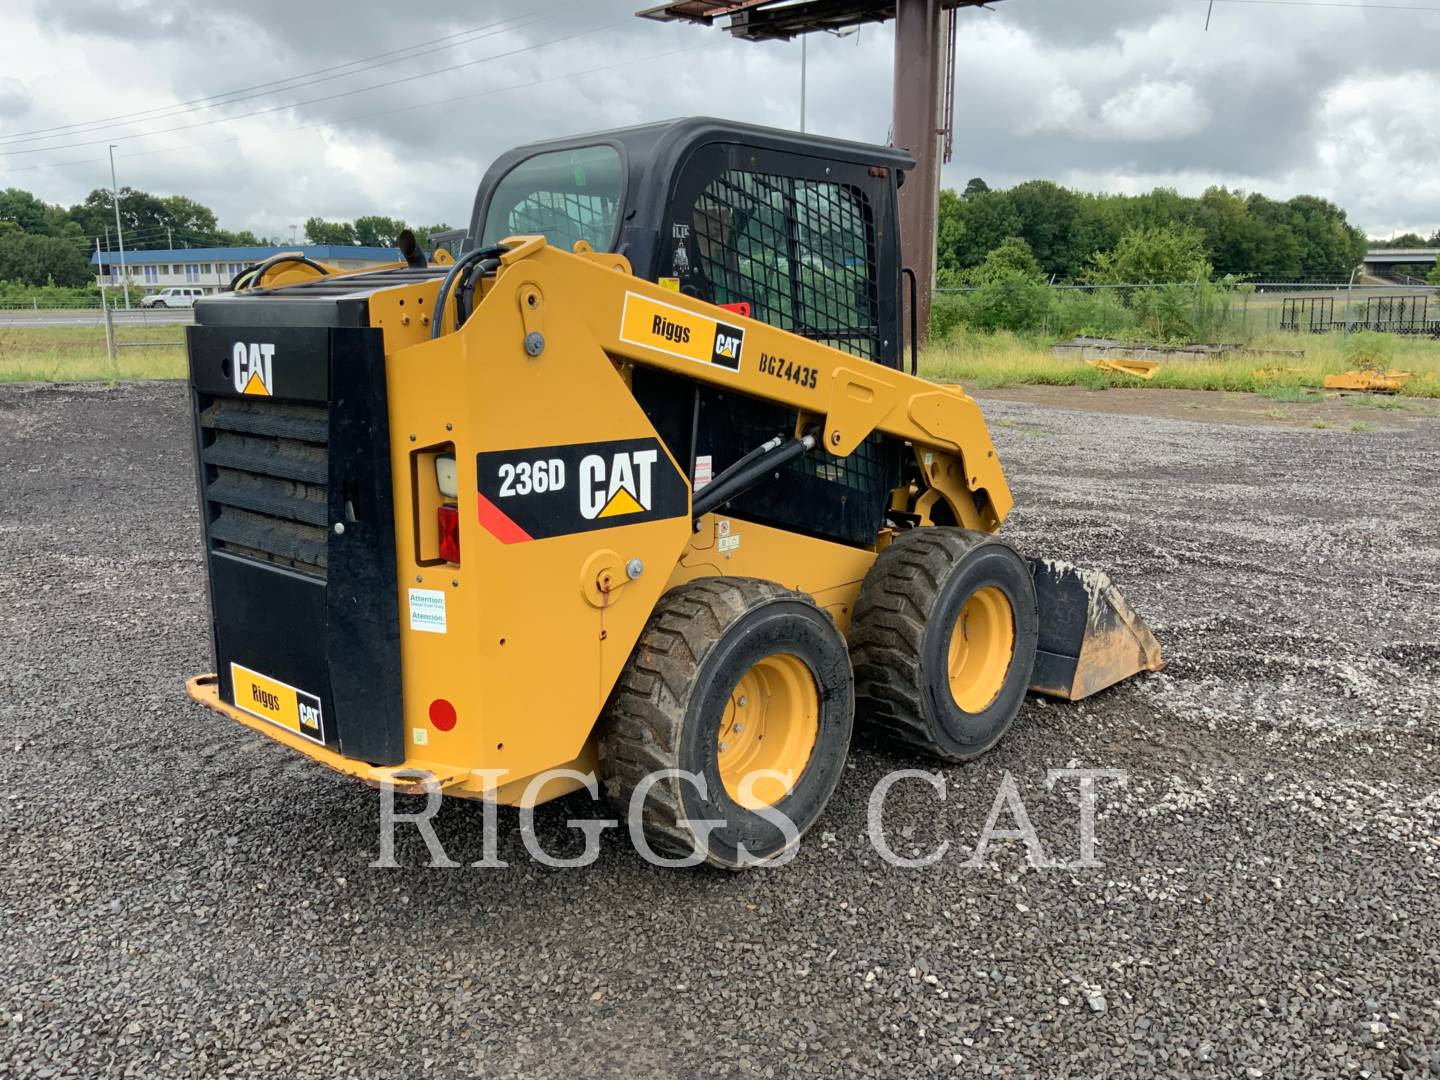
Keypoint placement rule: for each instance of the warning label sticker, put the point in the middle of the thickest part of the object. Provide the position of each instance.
(427, 610)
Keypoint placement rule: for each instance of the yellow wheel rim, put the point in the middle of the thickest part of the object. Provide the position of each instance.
(981, 645)
(771, 722)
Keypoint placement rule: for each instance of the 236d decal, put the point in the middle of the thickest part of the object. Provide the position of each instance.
(558, 490)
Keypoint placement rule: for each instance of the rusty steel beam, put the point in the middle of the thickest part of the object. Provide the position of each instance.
(781, 20)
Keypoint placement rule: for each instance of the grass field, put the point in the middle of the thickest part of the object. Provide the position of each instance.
(990, 360)
(75, 354)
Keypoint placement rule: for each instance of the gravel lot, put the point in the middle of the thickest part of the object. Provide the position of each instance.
(182, 897)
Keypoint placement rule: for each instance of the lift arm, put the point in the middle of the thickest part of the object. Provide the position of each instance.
(849, 398)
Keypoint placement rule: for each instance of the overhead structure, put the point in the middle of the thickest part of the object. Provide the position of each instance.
(924, 89)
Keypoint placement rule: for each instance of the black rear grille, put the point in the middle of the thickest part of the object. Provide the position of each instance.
(266, 466)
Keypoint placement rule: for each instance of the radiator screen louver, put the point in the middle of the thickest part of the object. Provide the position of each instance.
(266, 470)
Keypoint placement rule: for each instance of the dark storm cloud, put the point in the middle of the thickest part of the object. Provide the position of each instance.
(1079, 22)
(1109, 93)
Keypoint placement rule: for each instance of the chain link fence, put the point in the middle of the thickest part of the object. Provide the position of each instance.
(1225, 312)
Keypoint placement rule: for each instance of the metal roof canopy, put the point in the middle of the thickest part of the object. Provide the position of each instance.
(924, 102)
(781, 20)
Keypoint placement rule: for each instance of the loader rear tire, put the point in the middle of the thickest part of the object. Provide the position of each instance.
(730, 676)
(943, 641)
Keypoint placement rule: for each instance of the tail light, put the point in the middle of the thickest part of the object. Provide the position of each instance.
(449, 522)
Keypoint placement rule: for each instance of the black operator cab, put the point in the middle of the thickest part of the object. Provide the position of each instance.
(797, 231)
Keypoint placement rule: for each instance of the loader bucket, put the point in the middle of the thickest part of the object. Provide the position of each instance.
(1089, 637)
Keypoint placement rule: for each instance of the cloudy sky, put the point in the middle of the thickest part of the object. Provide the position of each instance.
(1338, 98)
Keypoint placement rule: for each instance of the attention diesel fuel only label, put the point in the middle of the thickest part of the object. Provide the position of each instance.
(681, 333)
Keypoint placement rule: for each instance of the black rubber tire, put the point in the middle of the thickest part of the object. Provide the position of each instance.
(900, 636)
(669, 701)
(159, 303)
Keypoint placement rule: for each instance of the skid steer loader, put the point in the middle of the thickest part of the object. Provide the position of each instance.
(635, 483)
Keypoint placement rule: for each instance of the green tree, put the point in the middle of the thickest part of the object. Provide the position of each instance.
(150, 221)
(1404, 240)
(1233, 239)
(373, 230)
(38, 260)
(188, 218)
(320, 231)
(1279, 253)
(1153, 256)
(1099, 222)
(243, 238)
(949, 229)
(1007, 292)
(970, 228)
(1047, 213)
(1012, 258)
(1162, 206)
(32, 215)
(976, 186)
(1330, 246)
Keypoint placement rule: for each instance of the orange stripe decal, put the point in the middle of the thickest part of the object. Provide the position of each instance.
(498, 523)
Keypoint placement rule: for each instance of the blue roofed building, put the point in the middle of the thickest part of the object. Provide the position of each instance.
(212, 268)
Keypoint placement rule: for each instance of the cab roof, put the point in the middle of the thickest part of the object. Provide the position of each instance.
(652, 153)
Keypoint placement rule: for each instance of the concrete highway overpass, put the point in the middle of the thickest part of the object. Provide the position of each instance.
(1379, 261)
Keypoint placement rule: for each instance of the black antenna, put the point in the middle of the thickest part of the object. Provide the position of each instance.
(1208, 12)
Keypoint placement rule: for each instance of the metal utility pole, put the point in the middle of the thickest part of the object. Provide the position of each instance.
(1349, 296)
(105, 316)
(170, 237)
(919, 82)
(119, 232)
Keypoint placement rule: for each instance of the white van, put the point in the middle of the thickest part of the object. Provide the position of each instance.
(174, 296)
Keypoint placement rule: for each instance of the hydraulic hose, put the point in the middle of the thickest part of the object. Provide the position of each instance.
(746, 459)
(252, 274)
(469, 259)
(745, 474)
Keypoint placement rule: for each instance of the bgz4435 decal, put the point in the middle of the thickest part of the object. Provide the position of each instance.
(557, 490)
(781, 368)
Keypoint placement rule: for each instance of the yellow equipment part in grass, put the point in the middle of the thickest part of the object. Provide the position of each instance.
(1370, 382)
(1139, 369)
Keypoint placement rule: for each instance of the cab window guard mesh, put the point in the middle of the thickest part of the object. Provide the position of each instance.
(563, 218)
(801, 252)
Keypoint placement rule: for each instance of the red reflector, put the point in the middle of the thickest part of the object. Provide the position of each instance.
(442, 714)
(449, 533)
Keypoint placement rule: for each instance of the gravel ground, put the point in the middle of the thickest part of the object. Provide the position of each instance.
(182, 897)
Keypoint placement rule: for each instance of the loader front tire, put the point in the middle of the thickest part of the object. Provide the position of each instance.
(731, 677)
(943, 641)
